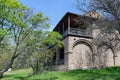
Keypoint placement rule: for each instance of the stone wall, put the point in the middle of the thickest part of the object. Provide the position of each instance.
(81, 53)
(72, 58)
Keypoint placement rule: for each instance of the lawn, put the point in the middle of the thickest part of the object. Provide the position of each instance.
(111, 73)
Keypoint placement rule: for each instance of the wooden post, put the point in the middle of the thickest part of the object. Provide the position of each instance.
(59, 30)
(63, 27)
(68, 25)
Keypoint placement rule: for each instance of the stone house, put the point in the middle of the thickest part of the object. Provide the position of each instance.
(78, 51)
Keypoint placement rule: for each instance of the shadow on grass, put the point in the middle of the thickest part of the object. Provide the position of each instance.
(20, 78)
(8, 75)
(51, 78)
(111, 73)
(13, 76)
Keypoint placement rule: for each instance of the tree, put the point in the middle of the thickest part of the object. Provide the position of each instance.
(38, 49)
(109, 7)
(18, 25)
(109, 25)
(106, 40)
(8, 10)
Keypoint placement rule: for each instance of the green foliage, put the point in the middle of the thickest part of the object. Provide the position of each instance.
(38, 51)
(10, 10)
(3, 32)
(54, 38)
(11, 15)
(38, 18)
(27, 34)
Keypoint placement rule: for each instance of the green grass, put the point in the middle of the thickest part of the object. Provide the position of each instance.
(111, 73)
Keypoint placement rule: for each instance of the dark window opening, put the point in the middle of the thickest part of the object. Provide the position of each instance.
(61, 57)
(62, 53)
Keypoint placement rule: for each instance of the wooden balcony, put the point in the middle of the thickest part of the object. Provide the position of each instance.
(74, 25)
(78, 32)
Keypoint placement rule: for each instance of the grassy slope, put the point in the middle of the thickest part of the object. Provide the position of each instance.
(103, 74)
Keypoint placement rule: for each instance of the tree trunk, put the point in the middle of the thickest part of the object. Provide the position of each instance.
(2, 72)
(1, 75)
(9, 66)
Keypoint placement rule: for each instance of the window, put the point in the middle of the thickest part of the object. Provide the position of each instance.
(62, 53)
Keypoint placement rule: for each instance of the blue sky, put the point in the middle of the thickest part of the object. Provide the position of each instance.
(54, 9)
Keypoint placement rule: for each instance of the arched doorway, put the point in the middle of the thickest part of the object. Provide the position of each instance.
(106, 56)
(82, 55)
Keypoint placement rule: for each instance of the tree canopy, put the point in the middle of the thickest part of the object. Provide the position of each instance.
(23, 33)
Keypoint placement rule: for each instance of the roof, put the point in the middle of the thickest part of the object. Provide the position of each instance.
(65, 16)
(72, 16)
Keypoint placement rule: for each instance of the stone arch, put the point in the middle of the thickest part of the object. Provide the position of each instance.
(110, 52)
(117, 58)
(83, 51)
(86, 42)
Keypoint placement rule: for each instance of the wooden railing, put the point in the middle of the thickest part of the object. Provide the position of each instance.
(76, 31)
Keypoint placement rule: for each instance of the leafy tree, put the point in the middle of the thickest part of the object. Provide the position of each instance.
(24, 31)
(39, 51)
(8, 13)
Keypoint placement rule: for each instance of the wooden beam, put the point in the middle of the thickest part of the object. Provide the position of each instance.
(68, 25)
(63, 27)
